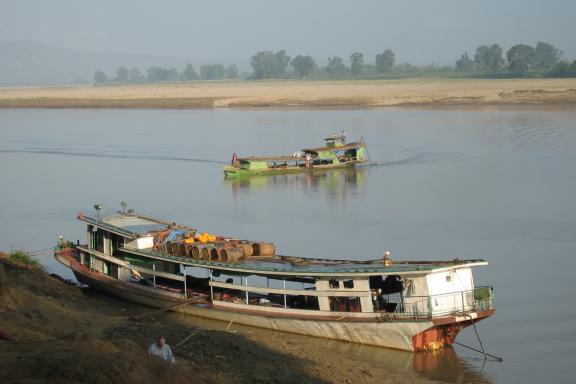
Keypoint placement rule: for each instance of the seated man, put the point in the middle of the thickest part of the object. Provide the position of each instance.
(161, 349)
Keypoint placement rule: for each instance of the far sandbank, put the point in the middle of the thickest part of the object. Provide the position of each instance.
(373, 93)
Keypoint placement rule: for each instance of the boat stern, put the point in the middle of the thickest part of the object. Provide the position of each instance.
(445, 329)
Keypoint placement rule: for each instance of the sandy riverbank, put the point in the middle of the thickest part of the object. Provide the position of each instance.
(377, 93)
(65, 334)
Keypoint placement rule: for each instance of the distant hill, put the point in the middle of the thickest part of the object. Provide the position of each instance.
(32, 63)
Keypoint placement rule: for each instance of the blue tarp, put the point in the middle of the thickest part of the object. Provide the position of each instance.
(173, 234)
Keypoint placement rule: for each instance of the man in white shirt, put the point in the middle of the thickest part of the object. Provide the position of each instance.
(161, 349)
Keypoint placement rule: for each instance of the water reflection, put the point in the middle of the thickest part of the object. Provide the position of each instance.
(446, 365)
(337, 185)
(442, 365)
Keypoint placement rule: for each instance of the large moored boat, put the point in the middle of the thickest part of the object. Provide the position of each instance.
(335, 154)
(408, 305)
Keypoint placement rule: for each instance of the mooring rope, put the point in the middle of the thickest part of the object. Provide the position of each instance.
(482, 351)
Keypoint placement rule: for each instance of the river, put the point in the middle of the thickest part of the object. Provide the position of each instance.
(492, 183)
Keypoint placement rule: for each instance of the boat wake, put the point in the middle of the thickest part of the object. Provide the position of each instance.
(414, 159)
(115, 154)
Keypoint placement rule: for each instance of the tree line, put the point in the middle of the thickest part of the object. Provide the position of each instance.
(278, 65)
(520, 59)
(489, 61)
(161, 74)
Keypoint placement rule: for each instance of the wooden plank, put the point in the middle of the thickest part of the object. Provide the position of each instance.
(125, 264)
(148, 271)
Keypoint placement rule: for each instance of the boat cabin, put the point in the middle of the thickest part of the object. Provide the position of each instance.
(341, 153)
(159, 255)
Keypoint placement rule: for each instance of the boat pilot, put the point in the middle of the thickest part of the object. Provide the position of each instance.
(234, 159)
(161, 349)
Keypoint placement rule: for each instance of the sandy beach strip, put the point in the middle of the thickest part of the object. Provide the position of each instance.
(373, 93)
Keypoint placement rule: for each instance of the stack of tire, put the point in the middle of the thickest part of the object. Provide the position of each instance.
(226, 251)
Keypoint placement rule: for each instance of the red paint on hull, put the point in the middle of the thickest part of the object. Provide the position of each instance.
(444, 333)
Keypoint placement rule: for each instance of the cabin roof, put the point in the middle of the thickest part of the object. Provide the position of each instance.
(130, 225)
(269, 158)
(299, 266)
(292, 158)
(339, 148)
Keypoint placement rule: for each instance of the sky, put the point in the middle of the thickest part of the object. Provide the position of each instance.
(418, 31)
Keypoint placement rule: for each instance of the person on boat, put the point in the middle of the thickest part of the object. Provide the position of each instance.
(343, 136)
(308, 160)
(375, 302)
(161, 349)
(234, 159)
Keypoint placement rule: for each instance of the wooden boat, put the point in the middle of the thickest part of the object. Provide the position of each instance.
(411, 305)
(335, 154)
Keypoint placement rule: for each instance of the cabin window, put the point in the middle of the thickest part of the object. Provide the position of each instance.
(302, 302)
(345, 304)
(100, 241)
(348, 283)
(334, 284)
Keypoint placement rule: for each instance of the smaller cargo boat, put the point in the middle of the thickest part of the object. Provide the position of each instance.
(335, 154)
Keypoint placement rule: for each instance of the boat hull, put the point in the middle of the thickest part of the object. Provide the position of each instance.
(231, 172)
(406, 334)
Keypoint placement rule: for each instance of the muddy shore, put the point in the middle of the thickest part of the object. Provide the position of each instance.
(65, 334)
(374, 93)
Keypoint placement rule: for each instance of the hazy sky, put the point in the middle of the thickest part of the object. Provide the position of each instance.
(419, 31)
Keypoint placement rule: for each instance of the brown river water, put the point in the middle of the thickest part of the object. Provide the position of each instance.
(492, 183)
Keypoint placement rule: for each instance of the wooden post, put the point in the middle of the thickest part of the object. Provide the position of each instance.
(184, 273)
(246, 284)
(285, 304)
(211, 287)
(154, 276)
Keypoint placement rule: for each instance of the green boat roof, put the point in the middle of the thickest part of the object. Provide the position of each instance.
(269, 158)
(344, 147)
(299, 266)
(338, 148)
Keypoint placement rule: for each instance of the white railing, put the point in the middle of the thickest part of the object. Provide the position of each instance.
(455, 303)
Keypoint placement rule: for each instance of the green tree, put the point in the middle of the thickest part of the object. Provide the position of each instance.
(122, 75)
(464, 64)
(283, 61)
(100, 77)
(336, 66)
(172, 74)
(385, 61)
(135, 76)
(489, 57)
(520, 58)
(157, 74)
(189, 74)
(356, 63)
(212, 72)
(564, 69)
(232, 71)
(546, 55)
(303, 66)
(270, 65)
